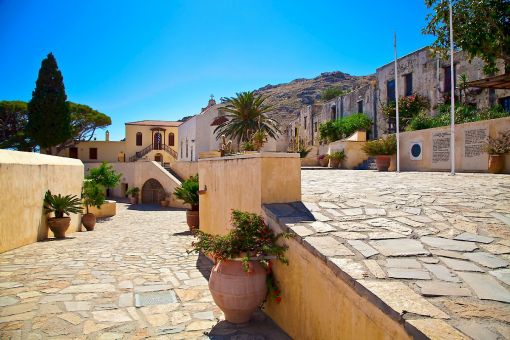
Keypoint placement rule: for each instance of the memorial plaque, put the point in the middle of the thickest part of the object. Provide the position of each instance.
(441, 150)
(475, 158)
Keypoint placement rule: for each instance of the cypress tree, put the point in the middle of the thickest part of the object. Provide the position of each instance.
(49, 120)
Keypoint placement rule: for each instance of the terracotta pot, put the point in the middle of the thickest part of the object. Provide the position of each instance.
(236, 292)
(88, 221)
(382, 162)
(335, 163)
(192, 218)
(496, 163)
(324, 162)
(59, 226)
(164, 203)
(133, 200)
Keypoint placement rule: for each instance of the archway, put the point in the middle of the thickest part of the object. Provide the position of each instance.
(152, 192)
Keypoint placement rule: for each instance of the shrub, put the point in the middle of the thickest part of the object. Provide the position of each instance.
(331, 93)
(498, 145)
(104, 175)
(133, 191)
(304, 151)
(334, 130)
(408, 108)
(382, 146)
(248, 146)
(338, 155)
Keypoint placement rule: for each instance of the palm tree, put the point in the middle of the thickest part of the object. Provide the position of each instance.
(246, 115)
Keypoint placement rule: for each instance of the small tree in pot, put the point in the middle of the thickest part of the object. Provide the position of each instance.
(242, 277)
(93, 195)
(336, 158)
(133, 194)
(382, 149)
(60, 206)
(104, 175)
(496, 148)
(188, 192)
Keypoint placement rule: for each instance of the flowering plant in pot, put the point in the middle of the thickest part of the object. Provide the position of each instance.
(133, 194)
(336, 158)
(188, 192)
(323, 160)
(382, 149)
(496, 148)
(92, 195)
(60, 206)
(242, 277)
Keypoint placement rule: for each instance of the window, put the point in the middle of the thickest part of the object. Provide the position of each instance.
(139, 138)
(333, 112)
(505, 102)
(182, 143)
(315, 126)
(73, 152)
(171, 139)
(408, 78)
(295, 132)
(187, 148)
(192, 153)
(360, 106)
(447, 78)
(92, 153)
(390, 91)
(305, 123)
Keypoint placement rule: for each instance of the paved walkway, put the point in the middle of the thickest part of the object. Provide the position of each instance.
(131, 278)
(433, 247)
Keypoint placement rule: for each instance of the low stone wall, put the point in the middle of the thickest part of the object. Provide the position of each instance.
(245, 182)
(107, 209)
(435, 147)
(24, 179)
(185, 169)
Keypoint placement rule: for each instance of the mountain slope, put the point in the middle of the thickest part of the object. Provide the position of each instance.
(288, 98)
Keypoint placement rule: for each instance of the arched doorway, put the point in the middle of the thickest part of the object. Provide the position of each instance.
(158, 141)
(158, 157)
(152, 192)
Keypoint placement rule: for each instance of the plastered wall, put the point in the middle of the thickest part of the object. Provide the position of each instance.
(24, 179)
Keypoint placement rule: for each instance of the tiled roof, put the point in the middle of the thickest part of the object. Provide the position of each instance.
(155, 123)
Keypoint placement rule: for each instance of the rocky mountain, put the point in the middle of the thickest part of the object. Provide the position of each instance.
(288, 98)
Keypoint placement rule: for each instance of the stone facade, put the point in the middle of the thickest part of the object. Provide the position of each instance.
(419, 72)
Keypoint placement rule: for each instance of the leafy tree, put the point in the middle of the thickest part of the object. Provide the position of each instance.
(331, 93)
(104, 175)
(334, 130)
(480, 27)
(49, 120)
(246, 114)
(13, 121)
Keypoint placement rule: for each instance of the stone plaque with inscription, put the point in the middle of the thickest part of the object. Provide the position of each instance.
(441, 150)
(475, 158)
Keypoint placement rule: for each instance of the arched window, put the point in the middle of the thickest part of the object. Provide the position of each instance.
(171, 139)
(139, 138)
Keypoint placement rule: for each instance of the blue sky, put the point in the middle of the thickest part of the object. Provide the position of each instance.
(136, 60)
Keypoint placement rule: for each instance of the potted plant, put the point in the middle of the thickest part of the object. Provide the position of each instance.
(259, 138)
(60, 206)
(242, 274)
(188, 192)
(336, 158)
(165, 201)
(105, 175)
(92, 195)
(497, 147)
(323, 160)
(133, 194)
(382, 149)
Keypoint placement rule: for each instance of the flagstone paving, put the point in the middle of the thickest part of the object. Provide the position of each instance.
(131, 278)
(433, 247)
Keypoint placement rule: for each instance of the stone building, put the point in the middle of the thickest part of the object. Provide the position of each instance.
(419, 73)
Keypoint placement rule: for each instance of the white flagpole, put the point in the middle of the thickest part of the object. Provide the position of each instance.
(452, 88)
(396, 102)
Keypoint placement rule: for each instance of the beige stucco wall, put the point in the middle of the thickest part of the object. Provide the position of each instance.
(24, 179)
(131, 130)
(462, 163)
(245, 182)
(354, 154)
(106, 151)
(316, 304)
(185, 169)
(135, 174)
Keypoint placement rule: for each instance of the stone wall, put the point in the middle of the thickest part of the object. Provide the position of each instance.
(185, 169)
(24, 179)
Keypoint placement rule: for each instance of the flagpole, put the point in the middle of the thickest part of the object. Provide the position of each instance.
(396, 102)
(452, 94)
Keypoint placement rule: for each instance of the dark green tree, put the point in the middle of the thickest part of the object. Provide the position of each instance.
(49, 120)
(13, 122)
(332, 92)
(246, 114)
(480, 27)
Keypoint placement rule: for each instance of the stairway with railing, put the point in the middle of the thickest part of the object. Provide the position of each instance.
(140, 154)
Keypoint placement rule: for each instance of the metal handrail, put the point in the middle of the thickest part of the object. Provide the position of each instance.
(149, 148)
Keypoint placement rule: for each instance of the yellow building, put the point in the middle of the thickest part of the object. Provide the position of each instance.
(152, 140)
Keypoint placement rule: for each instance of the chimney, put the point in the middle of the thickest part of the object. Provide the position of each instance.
(107, 136)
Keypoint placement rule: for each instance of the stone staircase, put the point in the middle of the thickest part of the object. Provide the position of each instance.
(173, 173)
(367, 164)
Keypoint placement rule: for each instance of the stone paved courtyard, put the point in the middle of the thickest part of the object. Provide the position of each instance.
(105, 285)
(433, 247)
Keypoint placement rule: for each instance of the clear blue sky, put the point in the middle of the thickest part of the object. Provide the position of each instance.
(136, 60)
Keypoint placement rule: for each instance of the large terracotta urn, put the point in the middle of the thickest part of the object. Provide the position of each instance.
(89, 221)
(496, 163)
(59, 226)
(192, 219)
(382, 162)
(238, 293)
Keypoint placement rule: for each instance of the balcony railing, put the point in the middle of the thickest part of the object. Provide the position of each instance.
(140, 154)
